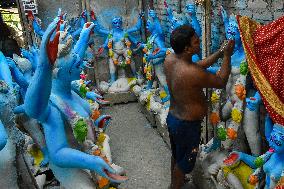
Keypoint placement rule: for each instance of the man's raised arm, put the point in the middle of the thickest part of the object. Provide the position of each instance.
(213, 58)
(207, 80)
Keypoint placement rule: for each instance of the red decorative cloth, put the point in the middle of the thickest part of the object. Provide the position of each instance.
(264, 48)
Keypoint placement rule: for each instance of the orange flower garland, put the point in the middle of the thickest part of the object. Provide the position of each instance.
(214, 118)
(128, 50)
(280, 184)
(240, 91)
(232, 133)
(253, 179)
(237, 113)
(103, 182)
(95, 114)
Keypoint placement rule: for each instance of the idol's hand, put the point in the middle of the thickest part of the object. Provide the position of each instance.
(86, 31)
(252, 103)
(26, 54)
(95, 97)
(191, 10)
(105, 170)
(11, 63)
(152, 14)
(48, 49)
(224, 14)
(170, 12)
(149, 57)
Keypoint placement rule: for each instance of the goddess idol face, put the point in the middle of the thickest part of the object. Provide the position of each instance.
(117, 22)
(277, 138)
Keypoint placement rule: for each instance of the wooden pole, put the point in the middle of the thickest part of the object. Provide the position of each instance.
(208, 26)
(179, 7)
(206, 44)
(206, 29)
(151, 4)
(88, 9)
(83, 5)
(28, 40)
(144, 9)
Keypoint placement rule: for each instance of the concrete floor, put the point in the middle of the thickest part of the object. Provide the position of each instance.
(138, 148)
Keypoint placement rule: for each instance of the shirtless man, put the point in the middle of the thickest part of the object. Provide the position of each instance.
(186, 81)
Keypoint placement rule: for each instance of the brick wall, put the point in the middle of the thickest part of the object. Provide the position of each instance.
(260, 10)
(263, 11)
(47, 9)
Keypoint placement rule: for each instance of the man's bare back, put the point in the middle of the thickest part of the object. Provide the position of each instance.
(188, 101)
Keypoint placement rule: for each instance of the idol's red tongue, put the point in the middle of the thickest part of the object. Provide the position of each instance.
(102, 122)
(116, 177)
(52, 48)
(231, 159)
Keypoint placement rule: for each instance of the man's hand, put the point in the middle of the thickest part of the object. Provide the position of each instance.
(222, 47)
(228, 47)
(252, 103)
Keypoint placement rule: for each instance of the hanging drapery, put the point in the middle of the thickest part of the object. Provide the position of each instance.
(264, 48)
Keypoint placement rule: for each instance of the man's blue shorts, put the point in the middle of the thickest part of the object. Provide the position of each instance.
(185, 139)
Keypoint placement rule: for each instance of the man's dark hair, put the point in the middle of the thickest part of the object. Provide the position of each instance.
(181, 37)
